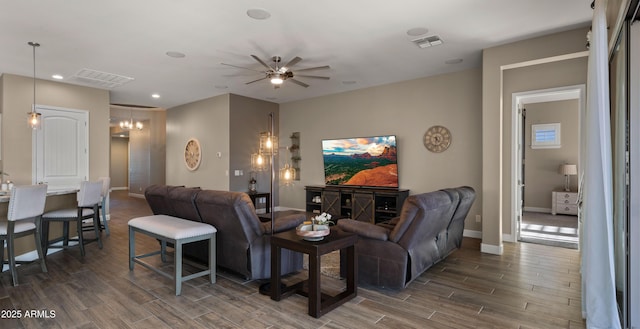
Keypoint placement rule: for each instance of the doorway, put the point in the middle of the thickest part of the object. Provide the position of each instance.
(546, 136)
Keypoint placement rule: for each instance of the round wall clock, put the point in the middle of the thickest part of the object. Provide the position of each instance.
(192, 154)
(437, 139)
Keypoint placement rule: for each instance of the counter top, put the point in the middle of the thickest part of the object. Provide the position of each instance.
(4, 195)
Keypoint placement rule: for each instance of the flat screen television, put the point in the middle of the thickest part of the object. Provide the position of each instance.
(361, 161)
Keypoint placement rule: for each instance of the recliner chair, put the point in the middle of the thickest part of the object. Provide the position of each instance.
(393, 254)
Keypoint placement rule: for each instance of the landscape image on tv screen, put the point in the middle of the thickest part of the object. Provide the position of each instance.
(365, 161)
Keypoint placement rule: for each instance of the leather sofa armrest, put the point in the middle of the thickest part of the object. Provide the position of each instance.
(284, 223)
(390, 224)
(364, 229)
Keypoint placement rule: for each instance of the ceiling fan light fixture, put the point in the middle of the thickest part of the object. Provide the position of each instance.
(277, 79)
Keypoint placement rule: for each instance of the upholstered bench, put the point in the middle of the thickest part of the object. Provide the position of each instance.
(179, 232)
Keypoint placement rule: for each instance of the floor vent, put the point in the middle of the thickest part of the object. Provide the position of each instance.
(426, 42)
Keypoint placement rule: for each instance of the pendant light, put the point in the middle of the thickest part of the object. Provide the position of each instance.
(33, 116)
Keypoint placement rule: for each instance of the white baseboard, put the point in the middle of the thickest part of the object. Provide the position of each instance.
(134, 195)
(537, 209)
(508, 237)
(472, 234)
(491, 249)
(121, 188)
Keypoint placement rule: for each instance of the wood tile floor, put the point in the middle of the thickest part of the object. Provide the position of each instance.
(529, 286)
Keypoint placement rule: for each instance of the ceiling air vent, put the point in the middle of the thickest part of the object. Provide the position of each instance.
(426, 42)
(101, 79)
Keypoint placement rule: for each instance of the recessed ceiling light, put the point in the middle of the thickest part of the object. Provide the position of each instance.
(57, 76)
(155, 95)
(417, 31)
(257, 13)
(175, 54)
(454, 61)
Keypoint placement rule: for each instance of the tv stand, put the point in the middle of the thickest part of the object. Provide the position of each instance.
(367, 204)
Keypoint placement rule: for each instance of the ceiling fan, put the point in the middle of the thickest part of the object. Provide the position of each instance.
(278, 74)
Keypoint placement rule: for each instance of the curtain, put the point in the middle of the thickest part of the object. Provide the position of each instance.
(599, 305)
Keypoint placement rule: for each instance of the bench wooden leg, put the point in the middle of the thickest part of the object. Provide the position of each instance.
(163, 251)
(212, 258)
(177, 261)
(132, 247)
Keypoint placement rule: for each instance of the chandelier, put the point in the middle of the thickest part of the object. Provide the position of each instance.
(130, 125)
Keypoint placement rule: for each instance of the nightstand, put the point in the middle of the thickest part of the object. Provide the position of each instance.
(563, 202)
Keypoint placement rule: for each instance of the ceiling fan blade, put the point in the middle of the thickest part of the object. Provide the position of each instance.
(314, 68)
(292, 62)
(312, 76)
(300, 83)
(261, 62)
(240, 67)
(255, 80)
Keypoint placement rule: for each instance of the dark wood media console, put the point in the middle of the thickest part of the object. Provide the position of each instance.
(365, 204)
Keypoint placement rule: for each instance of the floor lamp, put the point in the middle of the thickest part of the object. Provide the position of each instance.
(268, 147)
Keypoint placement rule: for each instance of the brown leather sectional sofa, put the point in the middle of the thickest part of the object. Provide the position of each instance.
(429, 228)
(242, 239)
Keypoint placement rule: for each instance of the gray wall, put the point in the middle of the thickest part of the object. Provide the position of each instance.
(541, 169)
(228, 124)
(249, 117)
(406, 109)
(208, 121)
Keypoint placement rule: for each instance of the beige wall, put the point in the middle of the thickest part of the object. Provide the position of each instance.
(16, 136)
(147, 148)
(406, 109)
(208, 121)
(17, 98)
(496, 122)
(119, 162)
(562, 73)
(541, 169)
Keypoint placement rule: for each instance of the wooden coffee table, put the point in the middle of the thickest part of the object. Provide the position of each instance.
(319, 303)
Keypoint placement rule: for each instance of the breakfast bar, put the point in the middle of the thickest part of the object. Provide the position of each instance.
(57, 198)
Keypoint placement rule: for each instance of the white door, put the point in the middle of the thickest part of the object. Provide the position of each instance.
(61, 148)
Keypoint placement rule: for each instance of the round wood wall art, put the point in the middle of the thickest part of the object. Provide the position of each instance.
(192, 154)
(437, 139)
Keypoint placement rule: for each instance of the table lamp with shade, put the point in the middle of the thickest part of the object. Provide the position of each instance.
(567, 170)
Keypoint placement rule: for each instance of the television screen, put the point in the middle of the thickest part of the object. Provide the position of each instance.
(364, 161)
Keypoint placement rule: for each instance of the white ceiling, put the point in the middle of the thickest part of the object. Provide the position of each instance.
(364, 41)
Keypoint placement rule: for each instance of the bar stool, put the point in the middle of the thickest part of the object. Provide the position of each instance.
(88, 202)
(26, 205)
(106, 185)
